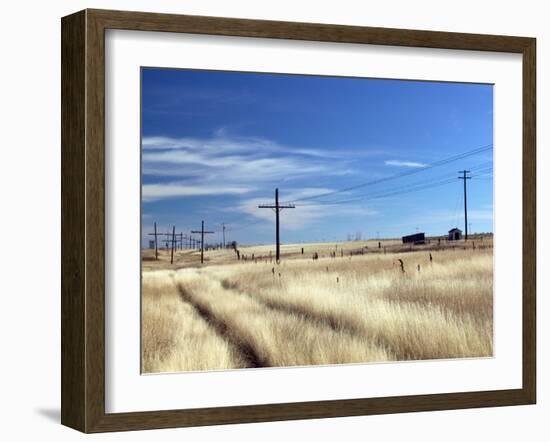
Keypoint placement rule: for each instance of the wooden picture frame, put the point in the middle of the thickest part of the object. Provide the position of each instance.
(83, 220)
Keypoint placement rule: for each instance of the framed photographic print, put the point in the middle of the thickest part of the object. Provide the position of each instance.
(270, 220)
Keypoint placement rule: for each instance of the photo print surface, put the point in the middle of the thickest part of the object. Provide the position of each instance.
(302, 220)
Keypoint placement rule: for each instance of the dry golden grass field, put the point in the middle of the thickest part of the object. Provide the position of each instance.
(352, 307)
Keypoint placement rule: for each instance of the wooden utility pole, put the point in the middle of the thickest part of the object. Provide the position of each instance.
(202, 232)
(277, 207)
(156, 235)
(173, 242)
(156, 248)
(169, 237)
(464, 177)
(223, 227)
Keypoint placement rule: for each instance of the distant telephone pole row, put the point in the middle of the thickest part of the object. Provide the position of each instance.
(193, 243)
(174, 239)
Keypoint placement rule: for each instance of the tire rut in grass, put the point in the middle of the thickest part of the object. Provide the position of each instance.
(302, 312)
(333, 323)
(241, 346)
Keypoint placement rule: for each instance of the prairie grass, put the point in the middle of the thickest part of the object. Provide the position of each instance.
(278, 338)
(174, 336)
(327, 311)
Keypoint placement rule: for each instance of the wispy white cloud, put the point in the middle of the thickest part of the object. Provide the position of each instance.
(400, 163)
(245, 167)
(221, 143)
(154, 192)
(303, 215)
(236, 160)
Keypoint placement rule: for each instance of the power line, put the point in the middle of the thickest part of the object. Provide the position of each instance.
(393, 177)
(484, 165)
(404, 188)
(426, 184)
(483, 172)
(409, 189)
(378, 192)
(440, 180)
(480, 169)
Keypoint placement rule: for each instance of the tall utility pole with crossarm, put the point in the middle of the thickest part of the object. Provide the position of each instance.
(465, 177)
(202, 232)
(277, 208)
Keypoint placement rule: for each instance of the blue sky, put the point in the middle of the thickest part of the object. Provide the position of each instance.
(216, 144)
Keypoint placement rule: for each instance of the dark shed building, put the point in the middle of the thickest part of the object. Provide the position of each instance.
(417, 238)
(455, 234)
